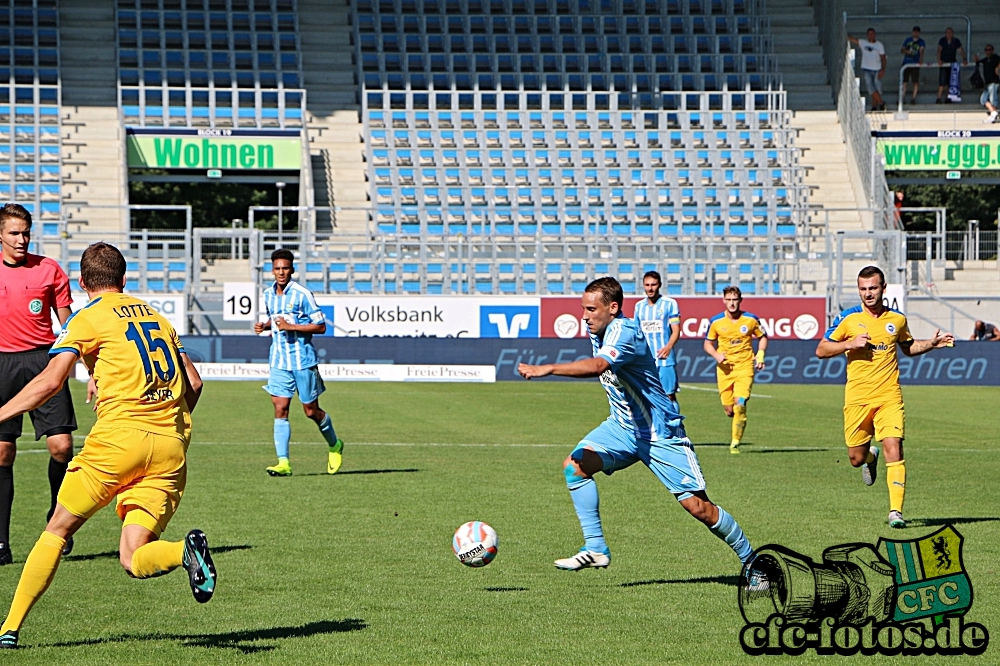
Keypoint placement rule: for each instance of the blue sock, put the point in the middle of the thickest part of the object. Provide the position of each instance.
(282, 436)
(730, 531)
(326, 428)
(583, 492)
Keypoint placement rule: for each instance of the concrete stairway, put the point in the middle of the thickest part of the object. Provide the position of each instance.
(92, 141)
(832, 186)
(333, 114)
(799, 54)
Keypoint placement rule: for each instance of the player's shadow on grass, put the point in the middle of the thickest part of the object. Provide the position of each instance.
(364, 471)
(733, 581)
(243, 641)
(113, 554)
(937, 522)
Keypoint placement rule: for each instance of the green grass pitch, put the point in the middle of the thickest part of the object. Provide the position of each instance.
(358, 568)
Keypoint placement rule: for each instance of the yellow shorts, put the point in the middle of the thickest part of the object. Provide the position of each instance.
(862, 423)
(145, 471)
(733, 386)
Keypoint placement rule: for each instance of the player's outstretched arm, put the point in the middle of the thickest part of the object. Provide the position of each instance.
(761, 348)
(193, 383)
(588, 367)
(40, 389)
(918, 347)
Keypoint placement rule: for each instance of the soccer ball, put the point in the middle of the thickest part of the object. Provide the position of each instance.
(475, 544)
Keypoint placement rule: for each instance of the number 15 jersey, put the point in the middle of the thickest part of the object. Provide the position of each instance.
(134, 354)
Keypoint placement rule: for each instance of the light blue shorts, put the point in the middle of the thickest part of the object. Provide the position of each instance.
(284, 384)
(673, 461)
(668, 378)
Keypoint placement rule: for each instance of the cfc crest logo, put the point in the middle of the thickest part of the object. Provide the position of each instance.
(891, 328)
(35, 306)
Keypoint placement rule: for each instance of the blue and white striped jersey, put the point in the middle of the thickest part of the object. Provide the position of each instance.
(637, 400)
(654, 322)
(291, 350)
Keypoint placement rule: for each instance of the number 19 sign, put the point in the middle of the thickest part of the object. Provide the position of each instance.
(239, 301)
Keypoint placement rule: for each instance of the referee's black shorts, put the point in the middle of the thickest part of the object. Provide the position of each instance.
(56, 417)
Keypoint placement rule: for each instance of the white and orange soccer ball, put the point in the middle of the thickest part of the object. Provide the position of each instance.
(475, 544)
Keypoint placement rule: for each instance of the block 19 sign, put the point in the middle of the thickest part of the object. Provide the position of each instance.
(239, 301)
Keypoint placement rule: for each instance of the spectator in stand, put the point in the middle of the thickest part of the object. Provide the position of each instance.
(872, 66)
(991, 77)
(913, 54)
(947, 53)
(985, 332)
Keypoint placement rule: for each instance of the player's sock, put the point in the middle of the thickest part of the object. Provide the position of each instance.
(895, 477)
(730, 531)
(583, 492)
(57, 471)
(871, 458)
(326, 428)
(157, 558)
(282, 436)
(39, 570)
(739, 420)
(6, 500)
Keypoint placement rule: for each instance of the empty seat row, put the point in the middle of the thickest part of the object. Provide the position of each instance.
(562, 8)
(597, 63)
(574, 178)
(648, 125)
(754, 42)
(627, 83)
(567, 27)
(625, 222)
(581, 159)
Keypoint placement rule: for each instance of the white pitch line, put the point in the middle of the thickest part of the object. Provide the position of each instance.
(688, 387)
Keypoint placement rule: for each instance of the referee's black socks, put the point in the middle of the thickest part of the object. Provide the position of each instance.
(57, 470)
(6, 500)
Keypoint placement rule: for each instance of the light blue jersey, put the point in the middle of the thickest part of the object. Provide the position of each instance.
(638, 401)
(654, 322)
(291, 350)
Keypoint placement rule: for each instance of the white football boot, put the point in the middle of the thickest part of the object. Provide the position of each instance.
(583, 560)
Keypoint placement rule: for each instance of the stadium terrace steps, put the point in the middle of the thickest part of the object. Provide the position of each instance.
(799, 54)
(92, 141)
(825, 156)
(333, 123)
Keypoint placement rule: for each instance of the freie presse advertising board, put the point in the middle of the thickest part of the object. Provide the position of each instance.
(782, 317)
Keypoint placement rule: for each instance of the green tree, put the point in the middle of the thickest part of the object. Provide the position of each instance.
(964, 203)
(212, 204)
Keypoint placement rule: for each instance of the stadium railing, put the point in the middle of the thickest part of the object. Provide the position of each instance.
(839, 59)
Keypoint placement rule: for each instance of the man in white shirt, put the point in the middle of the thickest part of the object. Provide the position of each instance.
(872, 66)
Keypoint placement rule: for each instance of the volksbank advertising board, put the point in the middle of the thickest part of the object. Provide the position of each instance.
(942, 150)
(241, 150)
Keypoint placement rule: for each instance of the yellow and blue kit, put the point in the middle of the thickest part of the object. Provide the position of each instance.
(735, 375)
(873, 401)
(137, 449)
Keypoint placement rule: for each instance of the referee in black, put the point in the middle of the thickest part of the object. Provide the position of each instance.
(31, 287)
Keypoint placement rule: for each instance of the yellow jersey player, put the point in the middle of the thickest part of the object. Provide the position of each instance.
(873, 402)
(733, 331)
(136, 452)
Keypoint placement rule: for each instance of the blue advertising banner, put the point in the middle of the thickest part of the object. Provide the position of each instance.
(788, 361)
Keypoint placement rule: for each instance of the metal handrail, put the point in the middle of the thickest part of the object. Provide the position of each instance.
(900, 114)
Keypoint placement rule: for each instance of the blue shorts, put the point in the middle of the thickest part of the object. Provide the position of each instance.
(673, 461)
(668, 378)
(284, 384)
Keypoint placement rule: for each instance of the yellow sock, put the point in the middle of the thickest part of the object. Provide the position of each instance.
(39, 570)
(157, 558)
(739, 422)
(895, 477)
